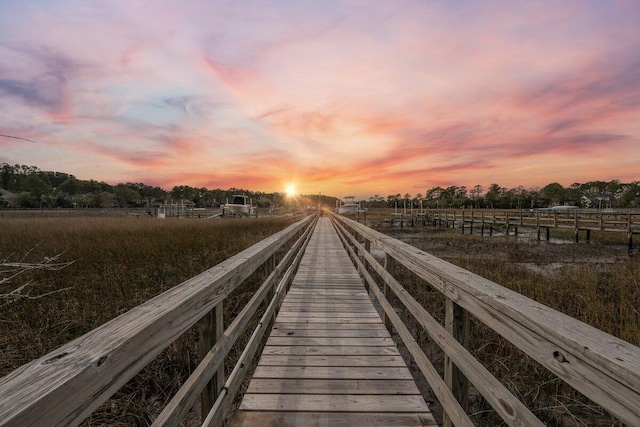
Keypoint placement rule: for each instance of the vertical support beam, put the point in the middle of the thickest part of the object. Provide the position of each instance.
(548, 228)
(577, 231)
(457, 324)
(600, 220)
(630, 248)
(367, 248)
(270, 265)
(210, 329)
(588, 236)
(390, 266)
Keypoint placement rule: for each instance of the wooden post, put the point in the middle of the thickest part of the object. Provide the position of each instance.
(577, 235)
(367, 248)
(457, 324)
(270, 265)
(210, 329)
(548, 228)
(600, 220)
(390, 266)
(588, 236)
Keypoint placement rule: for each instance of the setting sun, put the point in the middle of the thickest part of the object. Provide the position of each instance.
(291, 190)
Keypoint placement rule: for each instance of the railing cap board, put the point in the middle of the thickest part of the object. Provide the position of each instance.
(66, 385)
(587, 349)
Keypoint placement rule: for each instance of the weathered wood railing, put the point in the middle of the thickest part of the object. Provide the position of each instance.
(603, 368)
(626, 221)
(67, 385)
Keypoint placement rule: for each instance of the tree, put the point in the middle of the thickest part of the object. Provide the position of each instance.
(35, 185)
(554, 192)
(494, 195)
(126, 196)
(24, 200)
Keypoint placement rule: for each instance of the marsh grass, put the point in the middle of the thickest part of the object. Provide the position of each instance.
(597, 283)
(119, 263)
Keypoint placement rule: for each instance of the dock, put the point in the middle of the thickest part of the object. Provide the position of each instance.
(329, 359)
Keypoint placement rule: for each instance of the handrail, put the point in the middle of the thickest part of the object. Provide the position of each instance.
(602, 367)
(68, 384)
(178, 407)
(627, 220)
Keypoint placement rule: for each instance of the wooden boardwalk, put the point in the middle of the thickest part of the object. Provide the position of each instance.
(329, 360)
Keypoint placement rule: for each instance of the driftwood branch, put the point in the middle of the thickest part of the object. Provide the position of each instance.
(9, 271)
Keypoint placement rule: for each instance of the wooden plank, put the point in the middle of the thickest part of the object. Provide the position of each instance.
(306, 360)
(327, 296)
(337, 372)
(327, 319)
(329, 360)
(333, 342)
(332, 403)
(330, 333)
(334, 386)
(287, 311)
(329, 350)
(329, 307)
(327, 419)
(284, 315)
(327, 326)
(328, 303)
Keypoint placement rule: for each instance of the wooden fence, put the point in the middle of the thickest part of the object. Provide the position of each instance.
(574, 219)
(67, 385)
(600, 366)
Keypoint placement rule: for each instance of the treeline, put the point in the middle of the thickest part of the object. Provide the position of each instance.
(593, 194)
(29, 187)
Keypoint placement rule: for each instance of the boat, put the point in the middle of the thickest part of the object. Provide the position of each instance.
(240, 206)
(348, 206)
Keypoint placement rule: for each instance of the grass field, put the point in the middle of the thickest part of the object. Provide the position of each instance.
(117, 263)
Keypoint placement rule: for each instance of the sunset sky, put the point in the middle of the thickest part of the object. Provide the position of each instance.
(355, 97)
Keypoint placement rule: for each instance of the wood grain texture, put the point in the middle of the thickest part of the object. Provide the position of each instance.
(328, 419)
(336, 386)
(329, 360)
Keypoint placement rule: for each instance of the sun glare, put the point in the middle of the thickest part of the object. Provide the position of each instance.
(291, 190)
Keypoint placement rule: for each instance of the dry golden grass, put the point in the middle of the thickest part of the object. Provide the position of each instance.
(120, 262)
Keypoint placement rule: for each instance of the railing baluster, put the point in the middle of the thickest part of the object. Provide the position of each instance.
(390, 266)
(210, 329)
(457, 324)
